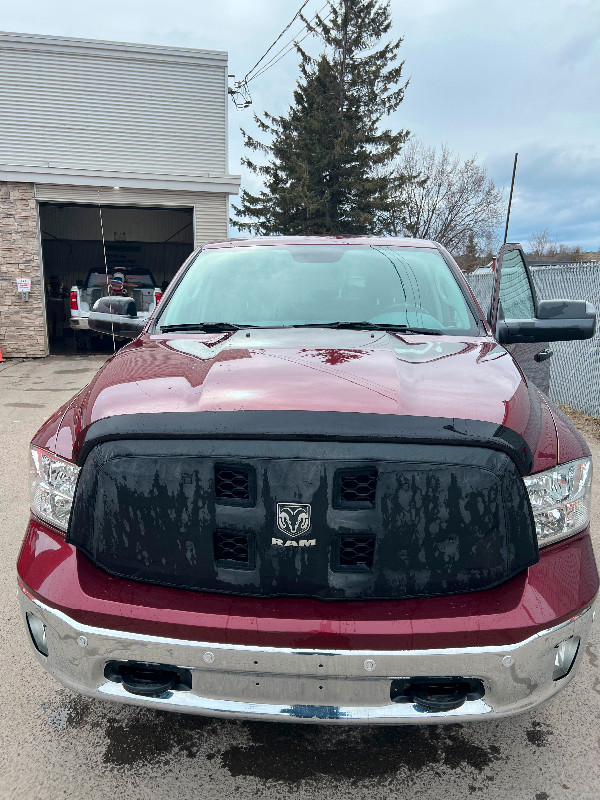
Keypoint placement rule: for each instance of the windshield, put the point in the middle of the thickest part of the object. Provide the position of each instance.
(140, 278)
(277, 286)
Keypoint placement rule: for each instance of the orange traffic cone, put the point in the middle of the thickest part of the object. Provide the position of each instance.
(1, 359)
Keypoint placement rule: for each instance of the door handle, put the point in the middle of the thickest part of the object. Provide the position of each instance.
(544, 354)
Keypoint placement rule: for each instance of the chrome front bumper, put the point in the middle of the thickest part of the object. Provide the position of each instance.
(269, 683)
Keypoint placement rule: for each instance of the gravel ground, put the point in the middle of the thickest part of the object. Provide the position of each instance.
(588, 425)
(55, 744)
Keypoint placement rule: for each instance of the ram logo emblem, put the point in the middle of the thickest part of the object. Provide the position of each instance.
(293, 519)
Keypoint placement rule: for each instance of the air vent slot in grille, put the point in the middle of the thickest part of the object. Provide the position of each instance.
(235, 485)
(355, 488)
(234, 549)
(356, 552)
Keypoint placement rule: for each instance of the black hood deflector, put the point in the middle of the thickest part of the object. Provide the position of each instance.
(308, 426)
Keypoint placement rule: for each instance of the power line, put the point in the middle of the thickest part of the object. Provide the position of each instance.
(289, 46)
(287, 27)
(240, 93)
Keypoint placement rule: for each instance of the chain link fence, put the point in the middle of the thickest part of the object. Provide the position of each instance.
(575, 366)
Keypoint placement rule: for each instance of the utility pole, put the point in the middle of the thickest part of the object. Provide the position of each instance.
(512, 186)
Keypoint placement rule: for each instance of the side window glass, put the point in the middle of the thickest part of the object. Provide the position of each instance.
(516, 298)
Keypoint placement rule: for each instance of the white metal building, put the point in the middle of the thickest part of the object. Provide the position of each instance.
(131, 136)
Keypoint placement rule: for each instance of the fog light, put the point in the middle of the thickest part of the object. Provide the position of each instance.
(37, 629)
(566, 653)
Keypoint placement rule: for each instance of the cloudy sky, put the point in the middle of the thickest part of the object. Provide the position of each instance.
(489, 77)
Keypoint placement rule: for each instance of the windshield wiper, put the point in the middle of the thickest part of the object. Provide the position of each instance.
(205, 327)
(370, 326)
(220, 327)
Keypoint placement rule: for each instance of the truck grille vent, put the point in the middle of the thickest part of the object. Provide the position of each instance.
(356, 488)
(233, 549)
(235, 485)
(356, 552)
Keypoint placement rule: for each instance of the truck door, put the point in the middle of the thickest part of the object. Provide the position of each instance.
(514, 297)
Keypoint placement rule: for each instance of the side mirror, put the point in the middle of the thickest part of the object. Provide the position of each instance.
(116, 315)
(555, 321)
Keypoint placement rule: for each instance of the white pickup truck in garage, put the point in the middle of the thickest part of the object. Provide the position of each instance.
(139, 285)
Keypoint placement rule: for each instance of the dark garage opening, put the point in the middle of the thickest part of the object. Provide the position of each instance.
(147, 244)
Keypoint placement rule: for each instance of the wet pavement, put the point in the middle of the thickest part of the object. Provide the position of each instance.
(54, 744)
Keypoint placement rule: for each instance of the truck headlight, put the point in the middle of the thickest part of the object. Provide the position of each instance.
(560, 499)
(52, 487)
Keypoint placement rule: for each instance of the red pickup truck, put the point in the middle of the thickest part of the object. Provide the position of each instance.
(317, 487)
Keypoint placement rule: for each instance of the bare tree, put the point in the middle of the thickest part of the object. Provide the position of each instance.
(541, 245)
(445, 199)
(543, 248)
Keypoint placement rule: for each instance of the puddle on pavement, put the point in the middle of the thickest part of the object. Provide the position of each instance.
(354, 754)
(148, 736)
(71, 711)
(539, 734)
(287, 753)
(23, 405)
(78, 371)
(269, 751)
(44, 389)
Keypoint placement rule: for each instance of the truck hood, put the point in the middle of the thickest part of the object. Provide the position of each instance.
(316, 370)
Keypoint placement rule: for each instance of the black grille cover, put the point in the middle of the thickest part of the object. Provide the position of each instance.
(447, 518)
(355, 488)
(355, 552)
(234, 549)
(234, 485)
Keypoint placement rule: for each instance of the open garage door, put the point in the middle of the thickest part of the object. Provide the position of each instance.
(143, 249)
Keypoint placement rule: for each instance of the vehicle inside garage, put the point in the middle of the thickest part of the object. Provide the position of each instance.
(92, 250)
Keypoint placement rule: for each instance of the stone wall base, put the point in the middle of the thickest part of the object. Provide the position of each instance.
(22, 328)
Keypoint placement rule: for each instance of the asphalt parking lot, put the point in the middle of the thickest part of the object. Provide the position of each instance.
(54, 744)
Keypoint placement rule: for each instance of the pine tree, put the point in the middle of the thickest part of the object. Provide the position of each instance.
(327, 162)
(469, 260)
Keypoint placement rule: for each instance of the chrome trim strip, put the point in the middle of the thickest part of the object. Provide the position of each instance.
(142, 637)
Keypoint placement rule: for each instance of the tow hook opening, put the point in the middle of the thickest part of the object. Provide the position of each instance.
(436, 693)
(148, 680)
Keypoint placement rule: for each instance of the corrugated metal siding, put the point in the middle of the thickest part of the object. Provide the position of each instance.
(107, 111)
(210, 208)
(211, 218)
